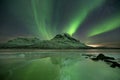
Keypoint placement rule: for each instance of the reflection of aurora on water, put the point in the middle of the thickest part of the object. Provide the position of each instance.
(84, 69)
(60, 66)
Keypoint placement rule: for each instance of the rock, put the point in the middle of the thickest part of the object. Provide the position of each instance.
(108, 60)
(88, 55)
(113, 63)
(103, 57)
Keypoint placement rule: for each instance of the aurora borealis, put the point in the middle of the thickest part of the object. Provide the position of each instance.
(42, 11)
(88, 20)
(105, 26)
(79, 16)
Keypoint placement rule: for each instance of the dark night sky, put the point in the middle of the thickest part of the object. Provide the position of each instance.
(94, 22)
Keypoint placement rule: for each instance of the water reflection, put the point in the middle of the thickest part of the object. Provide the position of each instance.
(54, 66)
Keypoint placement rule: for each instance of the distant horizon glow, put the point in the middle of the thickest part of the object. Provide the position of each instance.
(94, 45)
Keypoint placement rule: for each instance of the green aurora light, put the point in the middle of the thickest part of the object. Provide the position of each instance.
(105, 26)
(42, 10)
(80, 15)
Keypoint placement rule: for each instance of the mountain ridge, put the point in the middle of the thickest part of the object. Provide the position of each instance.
(60, 41)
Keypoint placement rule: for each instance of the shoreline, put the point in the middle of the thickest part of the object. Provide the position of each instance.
(52, 50)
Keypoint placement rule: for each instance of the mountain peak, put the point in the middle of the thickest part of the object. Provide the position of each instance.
(64, 37)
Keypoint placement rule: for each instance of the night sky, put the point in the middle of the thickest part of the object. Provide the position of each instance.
(94, 22)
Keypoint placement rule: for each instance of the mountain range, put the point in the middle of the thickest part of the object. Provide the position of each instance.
(60, 41)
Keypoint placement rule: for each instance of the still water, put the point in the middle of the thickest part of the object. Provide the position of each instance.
(56, 65)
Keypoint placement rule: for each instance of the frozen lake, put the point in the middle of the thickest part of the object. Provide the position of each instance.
(57, 65)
